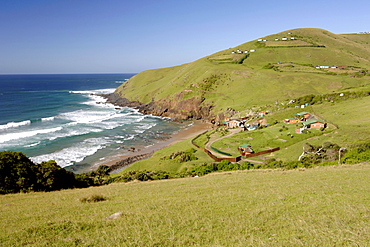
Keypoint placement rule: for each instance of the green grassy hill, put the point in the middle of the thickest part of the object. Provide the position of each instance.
(325, 206)
(275, 71)
(238, 84)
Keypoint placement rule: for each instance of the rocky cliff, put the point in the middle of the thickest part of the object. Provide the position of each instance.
(184, 109)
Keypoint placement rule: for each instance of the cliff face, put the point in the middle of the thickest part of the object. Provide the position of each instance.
(185, 109)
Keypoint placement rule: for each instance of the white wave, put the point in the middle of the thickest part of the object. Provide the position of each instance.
(100, 118)
(74, 132)
(97, 91)
(153, 116)
(77, 153)
(45, 119)
(147, 126)
(20, 135)
(33, 144)
(88, 116)
(129, 137)
(142, 127)
(139, 131)
(14, 124)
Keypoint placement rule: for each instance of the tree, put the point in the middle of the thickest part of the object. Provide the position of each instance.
(17, 173)
(103, 170)
(53, 177)
(320, 153)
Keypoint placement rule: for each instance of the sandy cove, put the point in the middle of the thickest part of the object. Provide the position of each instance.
(120, 161)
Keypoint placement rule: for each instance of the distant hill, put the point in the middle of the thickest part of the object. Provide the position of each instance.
(268, 70)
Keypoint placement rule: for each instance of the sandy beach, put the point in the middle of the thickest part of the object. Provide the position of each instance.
(119, 161)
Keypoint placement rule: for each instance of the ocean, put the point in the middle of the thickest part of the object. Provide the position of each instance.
(60, 117)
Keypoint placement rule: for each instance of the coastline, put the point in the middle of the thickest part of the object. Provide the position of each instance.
(118, 162)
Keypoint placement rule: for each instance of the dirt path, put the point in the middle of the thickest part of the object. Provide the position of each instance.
(232, 132)
(213, 140)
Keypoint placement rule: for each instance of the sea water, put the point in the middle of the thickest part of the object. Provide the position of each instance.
(61, 118)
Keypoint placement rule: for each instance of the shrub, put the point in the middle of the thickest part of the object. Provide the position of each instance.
(182, 156)
(358, 153)
(17, 173)
(93, 198)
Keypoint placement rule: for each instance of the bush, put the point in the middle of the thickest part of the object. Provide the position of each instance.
(17, 173)
(356, 154)
(182, 156)
(53, 177)
(20, 174)
(224, 165)
(93, 198)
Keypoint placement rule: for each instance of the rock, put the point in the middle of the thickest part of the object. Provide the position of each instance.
(114, 216)
(128, 161)
(192, 108)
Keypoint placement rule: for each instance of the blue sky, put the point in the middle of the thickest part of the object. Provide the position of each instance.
(119, 36)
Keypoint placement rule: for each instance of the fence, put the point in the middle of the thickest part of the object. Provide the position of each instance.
(262, 152)
(231, 159)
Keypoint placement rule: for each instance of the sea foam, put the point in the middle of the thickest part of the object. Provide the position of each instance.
(14, 124)
(45, 119)
(77, 153)
(25, 134)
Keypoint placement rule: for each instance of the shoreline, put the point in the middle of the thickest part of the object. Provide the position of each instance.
(118, 162)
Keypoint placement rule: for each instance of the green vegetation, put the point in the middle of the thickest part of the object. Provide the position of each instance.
(358, 153)
(325, 206)
(20, 174)
(182, 156)
(93, 198)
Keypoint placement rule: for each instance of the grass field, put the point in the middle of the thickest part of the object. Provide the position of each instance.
(323, 206)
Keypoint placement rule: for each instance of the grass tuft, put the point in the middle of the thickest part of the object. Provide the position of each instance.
(93, 198)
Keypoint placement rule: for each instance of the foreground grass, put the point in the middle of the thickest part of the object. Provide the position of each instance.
(326, 206)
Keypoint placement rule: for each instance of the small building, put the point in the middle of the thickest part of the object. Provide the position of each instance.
(262, 113)
(284, 38)
(291, 120)
(252, 50)
(259, 39)
(277, 39)
(245, 149)
(303, 115)
(233, 124)
(250, 128)
(299, 130)
(314, 124)
(246, 51)
(292, 38)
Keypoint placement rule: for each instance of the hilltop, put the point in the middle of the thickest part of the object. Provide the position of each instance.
(266, 71)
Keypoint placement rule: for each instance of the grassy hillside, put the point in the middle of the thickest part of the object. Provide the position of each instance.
(348, 124)
(326, 206)
(275, 71)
